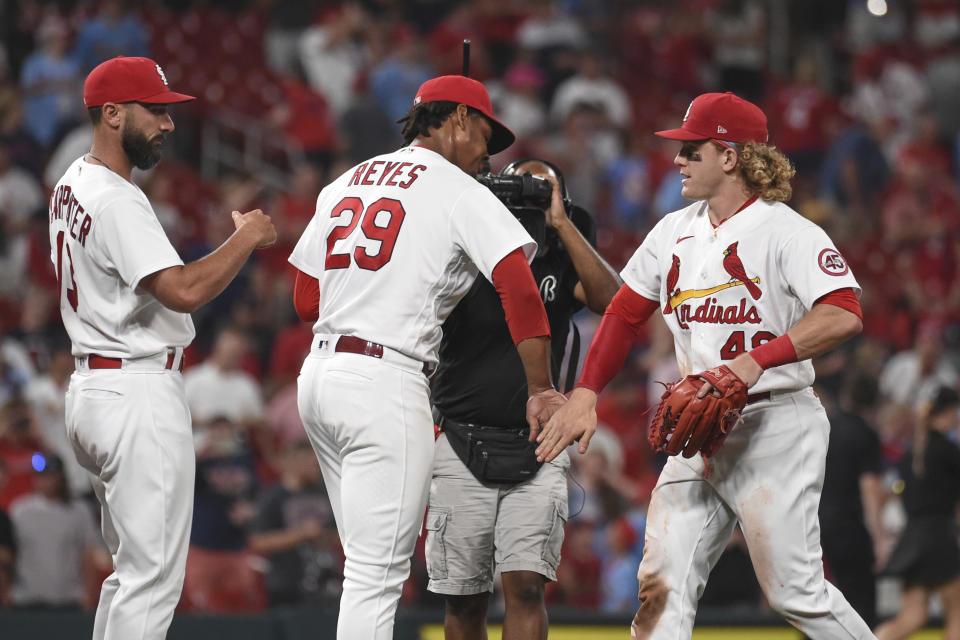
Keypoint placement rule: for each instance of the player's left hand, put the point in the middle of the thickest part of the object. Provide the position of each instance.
(744, 367)
(541, 406)
(688, 423)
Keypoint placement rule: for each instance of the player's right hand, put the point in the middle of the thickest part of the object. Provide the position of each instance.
(541, 406)
(574, 421)
(258, 223)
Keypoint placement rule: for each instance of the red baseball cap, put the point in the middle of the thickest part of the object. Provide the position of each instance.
(468, 91)
(124, 79)
(721, 116)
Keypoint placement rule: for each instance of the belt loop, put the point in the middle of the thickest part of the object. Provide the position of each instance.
(175, 359)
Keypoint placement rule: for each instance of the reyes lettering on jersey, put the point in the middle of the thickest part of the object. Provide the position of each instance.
(384, 173)
(64, 206)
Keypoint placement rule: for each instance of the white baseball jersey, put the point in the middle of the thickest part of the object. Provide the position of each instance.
(729, 289)
(104, 238)
(724, 291)
(396, 242)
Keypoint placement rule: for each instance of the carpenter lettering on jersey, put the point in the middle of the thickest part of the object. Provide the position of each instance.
(64, 206)
(710, 312)
(380, 172)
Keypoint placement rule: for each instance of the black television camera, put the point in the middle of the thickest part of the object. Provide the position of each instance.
(527, 197)
(525, 191)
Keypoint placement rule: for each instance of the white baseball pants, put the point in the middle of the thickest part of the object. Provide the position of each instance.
(768, 476)
(131, 429)
(370, 425)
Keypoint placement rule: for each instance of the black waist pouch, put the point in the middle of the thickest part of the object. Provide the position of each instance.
(493, 454)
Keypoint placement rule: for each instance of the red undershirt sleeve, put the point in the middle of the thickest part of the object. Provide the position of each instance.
(843, 298)
(615, 336)
(513, 280)
(306, 297)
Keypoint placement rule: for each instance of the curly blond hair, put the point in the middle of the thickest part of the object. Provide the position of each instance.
(766, 171)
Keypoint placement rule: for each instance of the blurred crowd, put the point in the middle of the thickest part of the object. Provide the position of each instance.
(867, 107)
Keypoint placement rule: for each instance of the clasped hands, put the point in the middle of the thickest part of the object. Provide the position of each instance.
(556, 422)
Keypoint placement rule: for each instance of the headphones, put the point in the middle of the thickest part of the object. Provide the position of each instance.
(564, 194)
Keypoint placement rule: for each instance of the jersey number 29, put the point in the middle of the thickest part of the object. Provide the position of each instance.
(72, 287)
(350, 210)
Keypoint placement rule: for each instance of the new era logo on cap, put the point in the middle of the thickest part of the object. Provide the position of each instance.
(714, 114)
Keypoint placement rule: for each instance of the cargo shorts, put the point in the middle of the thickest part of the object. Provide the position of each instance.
(474, 529)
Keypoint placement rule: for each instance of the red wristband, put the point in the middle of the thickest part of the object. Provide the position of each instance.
(775, 353)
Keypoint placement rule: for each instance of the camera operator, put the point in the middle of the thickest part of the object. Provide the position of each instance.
(491, 503)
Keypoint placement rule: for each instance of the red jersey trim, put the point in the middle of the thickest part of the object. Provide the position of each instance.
(746, 204)
(845, 299)
(306, 297)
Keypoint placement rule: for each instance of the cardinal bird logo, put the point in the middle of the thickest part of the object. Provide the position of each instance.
(672, 276)
(733, 266)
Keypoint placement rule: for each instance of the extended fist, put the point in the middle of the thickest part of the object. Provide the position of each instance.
(259, 225)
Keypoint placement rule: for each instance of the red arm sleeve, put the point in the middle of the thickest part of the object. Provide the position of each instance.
(306, 297)
(781, 350)
(614, 338)
(513, 280)
(843, 298)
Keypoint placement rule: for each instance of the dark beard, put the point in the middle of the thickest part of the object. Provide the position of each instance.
(143, 154)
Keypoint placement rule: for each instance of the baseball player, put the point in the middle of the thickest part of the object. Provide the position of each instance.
(741, 279)
(125, 298)
(395, 243)
(476, 523)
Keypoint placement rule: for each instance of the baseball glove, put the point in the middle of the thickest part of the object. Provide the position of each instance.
(688, 425)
